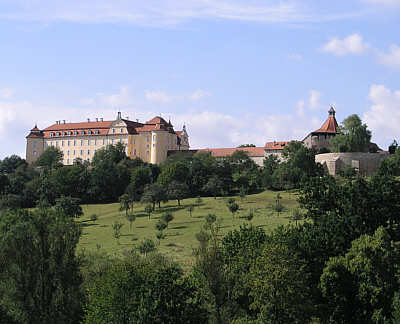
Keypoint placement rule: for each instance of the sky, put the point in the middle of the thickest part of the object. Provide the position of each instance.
(233, 71)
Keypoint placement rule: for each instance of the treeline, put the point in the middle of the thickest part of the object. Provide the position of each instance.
(112, 174)
(341, 264)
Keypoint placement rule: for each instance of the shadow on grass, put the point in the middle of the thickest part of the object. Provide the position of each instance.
(87, 225)
(142, 215)
(140, 226)
(225, 226)
(178, 227)
(127, 235)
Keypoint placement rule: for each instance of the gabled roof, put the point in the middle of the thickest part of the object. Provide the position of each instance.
(84, 125)
(157, 120)
(279, 146)
(330, 125)
(223, 152)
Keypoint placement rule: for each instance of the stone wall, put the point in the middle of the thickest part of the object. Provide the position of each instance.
(365, 163)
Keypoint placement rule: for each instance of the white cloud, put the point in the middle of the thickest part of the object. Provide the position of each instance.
(164, 13)
(352, 44)
(384, 2)
(392, 58)
(120, 99)
(295, 57)
(6, 93)
(199, 94)
(314, 100)
(164, 97)
(383, 117)
(300, 108)
(159, 96)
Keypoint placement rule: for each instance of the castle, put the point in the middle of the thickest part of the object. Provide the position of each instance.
(150, 141)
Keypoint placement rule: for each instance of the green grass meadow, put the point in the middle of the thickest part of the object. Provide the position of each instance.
(180, 236)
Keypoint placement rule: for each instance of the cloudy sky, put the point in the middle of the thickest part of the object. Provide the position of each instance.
(235, 71)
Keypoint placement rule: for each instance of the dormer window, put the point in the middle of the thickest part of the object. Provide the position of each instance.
(113, 130)
(97, 132)
(65, 134)
(75, 133)
(51, 134)
(57, 134)
(82, 132)
(69, 133)
(121, 130)
(90, 132)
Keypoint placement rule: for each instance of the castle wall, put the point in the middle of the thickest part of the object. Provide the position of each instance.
(365, 163)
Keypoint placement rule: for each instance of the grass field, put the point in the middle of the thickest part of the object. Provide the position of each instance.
(180, 235)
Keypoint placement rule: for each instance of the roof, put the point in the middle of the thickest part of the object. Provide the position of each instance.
(330, 126)
(157, 120)
(276, 145)
(84, 125)
(222, 152)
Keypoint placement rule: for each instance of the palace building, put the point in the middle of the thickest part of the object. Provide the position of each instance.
(150, 141)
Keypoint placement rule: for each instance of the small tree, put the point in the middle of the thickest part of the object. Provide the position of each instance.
(250, 215)
(167, 217)
(116, 226)
(242, 193)
(125, 203)
(161, 225)
(177, 190)
(190, 210)
(160, 236)
(232, 206)
(148, 209)
(296, 215)
(147, 246)
(131, 217)
(69, 207)
(278, 207)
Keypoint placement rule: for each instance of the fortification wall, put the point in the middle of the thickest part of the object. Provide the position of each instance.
(365, 163)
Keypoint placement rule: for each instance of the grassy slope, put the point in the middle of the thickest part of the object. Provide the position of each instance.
(180, 239)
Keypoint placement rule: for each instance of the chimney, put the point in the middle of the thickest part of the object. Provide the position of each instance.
(101, 119)
(88, 120)
(137, 120)
(64, 121)
(97, 119)
(119, 115)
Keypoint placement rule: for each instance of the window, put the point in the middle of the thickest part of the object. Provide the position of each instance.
(88, 152)
(68, 161)
(134, 141)
(82, 132)
(97, 132)
(147, 145)
(45, 144)
(134, 152)
(113, 130)
(75, 133)
(74, 142)
(69, 143)
(154, 138)
(154, 145)
(148, 138)
(89, 132)
(112, 141)
(121, 130)
(147, 152)
(67, 152)
(69, 133)
(81, 142)
(81, 152)
(57, 134)
(34, 144)
(74, 152)
(88, 142)
(51, 134)
(56, 143)
(95, 142)
(34, 153)
(62, 143)
(104, 141)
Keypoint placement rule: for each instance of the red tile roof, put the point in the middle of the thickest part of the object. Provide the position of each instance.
(157, 120)
(84, 125)
(223, 152)
(276, 145)
(330, 126)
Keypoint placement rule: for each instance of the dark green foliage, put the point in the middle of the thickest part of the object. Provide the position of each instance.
(161, 225)
(167, 217)
(50, 159)
(155, 194)
(213, 186)
(247, 145)
(145, 291)
(353, 136)
(69, 207)
(359, 287)
(279, 287)
(117, 226)
(147, 246)
(11, 164)
(177, 190)
(232, 206)
(125, 203)
(393, 147)
(348, 172)
(391, 165)
(177, 172)
(148, 209)
(11, 201)
(39, 272)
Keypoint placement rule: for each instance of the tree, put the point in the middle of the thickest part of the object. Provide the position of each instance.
(190, 210)
(393, 147)
(278, 207)
(155, 194)
(145, 290)
(11, 201)
(3, 183)
(140, 177)
(177, 190)
(296, 215)
(131, 217)
(160, 236)
(147, 246)
(213, 186)
(69, 207)
(167, 217)
(39, 270)
(359, 287)
(116, 226)
(11, 163)
(50, 159)
(177, 171)
(353, 136)
(125, 203)
(233, 208)
(247, 145)
(148, 209)
(279, 288)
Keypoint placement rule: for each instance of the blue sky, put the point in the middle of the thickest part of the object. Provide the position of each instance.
(235, 71)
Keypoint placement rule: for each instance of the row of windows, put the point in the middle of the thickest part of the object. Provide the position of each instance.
(81, 142)
(82, 132)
